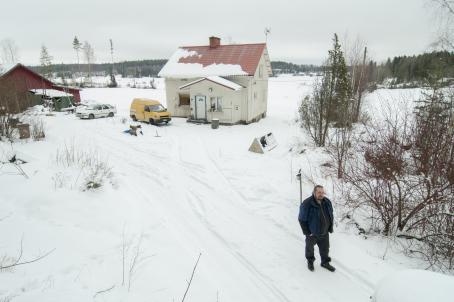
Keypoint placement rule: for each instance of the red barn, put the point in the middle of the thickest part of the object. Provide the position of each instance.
(25, 79)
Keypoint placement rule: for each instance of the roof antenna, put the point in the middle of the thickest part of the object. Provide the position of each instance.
(267, 32)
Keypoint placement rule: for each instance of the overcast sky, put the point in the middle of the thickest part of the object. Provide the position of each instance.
(301, 30)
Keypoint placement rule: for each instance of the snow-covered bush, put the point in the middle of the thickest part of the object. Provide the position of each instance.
(37, 129)
(82, 168)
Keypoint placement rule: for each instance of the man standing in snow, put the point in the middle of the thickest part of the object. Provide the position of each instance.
(316, 220)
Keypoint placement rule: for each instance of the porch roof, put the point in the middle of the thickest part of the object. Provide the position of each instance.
(217, 80)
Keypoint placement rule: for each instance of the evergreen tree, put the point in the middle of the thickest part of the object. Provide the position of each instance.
(77, 46)
(338, 85)
(331, 101)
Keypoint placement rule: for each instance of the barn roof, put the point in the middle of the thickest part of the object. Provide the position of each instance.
(218, 80)
(223, 60)
(19, 65)
(6, 69)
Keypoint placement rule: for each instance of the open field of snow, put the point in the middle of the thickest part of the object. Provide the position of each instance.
(191, 190)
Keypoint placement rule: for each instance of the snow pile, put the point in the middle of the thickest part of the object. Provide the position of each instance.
(174, 68)
(415, 286)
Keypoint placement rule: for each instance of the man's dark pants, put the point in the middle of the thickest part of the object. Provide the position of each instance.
(323, 245)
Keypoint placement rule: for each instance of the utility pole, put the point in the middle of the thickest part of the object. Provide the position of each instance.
(111, 53)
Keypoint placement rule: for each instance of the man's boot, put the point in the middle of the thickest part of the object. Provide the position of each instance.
(328, 267)
(310, 265)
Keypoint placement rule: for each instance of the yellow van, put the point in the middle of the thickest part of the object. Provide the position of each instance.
(146, 110)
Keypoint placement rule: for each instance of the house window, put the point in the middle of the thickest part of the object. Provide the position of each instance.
(216, 104)
(184, 99)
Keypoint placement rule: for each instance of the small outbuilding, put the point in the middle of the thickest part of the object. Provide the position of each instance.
(57, 99)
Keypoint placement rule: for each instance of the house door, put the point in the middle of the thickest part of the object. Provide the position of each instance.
(200, 107)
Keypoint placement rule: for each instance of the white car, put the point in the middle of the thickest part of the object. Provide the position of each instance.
(96, 110)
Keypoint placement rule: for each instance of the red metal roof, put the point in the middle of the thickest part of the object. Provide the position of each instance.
(245, 55)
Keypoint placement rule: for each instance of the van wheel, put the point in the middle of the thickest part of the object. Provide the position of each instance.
(91, 116)
(152, 122)
(134, 118)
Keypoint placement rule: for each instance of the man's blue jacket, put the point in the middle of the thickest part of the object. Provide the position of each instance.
(309, 216)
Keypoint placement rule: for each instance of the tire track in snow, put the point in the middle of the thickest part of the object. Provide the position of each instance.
(263, 280)
(260, 279)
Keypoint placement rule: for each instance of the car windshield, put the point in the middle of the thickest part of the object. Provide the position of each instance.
(156, 108)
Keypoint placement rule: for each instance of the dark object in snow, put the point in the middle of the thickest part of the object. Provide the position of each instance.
(17, 161)
(215, 123)
(263, 143)
(406, 147)
(328, 267)
(327, 164)
(13, 122)
(133, 130)
(310, 265)
(24, 130)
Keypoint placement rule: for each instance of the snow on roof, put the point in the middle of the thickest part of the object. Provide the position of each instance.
(217, 80)
(203, 61)
(53, 93)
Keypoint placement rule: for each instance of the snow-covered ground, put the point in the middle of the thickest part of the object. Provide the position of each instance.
(191, 190)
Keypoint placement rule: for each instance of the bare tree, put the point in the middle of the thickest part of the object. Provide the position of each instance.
(89, 56)
(46, 62)
(9, 52)
(444, 10)
(357, 59)
(339, 148)
(314, 114)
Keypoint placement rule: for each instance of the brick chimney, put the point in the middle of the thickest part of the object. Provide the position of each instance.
(215, 42)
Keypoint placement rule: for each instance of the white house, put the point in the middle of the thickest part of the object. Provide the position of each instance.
(227, 82)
